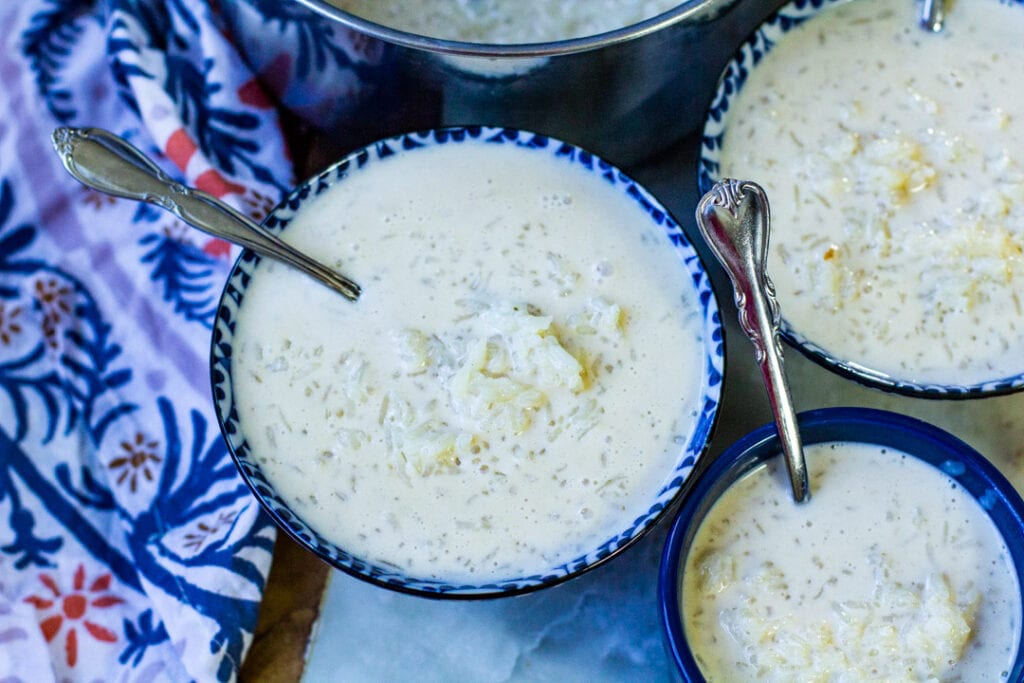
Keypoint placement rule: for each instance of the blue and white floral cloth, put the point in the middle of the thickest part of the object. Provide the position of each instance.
(130, 549)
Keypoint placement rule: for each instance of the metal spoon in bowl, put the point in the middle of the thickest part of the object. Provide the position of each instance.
(108, 163)
(735, 221)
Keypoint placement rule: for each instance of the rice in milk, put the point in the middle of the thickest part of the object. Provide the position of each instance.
(512, 388)
(894, 163)
(891, 572)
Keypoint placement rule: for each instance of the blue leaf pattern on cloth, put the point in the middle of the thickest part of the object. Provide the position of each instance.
(130, 548)
(48, 44)
(315, 47)
(187, 274)
(140, 636)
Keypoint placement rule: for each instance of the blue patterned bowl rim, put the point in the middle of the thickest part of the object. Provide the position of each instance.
(666, 499)
(934, 446)
(735, 74)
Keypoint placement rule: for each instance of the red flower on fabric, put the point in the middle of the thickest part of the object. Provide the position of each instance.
(72, 608)
(252, 93)
(217, 248)
(212, 181)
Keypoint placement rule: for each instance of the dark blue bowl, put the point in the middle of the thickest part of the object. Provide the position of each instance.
(978, 477)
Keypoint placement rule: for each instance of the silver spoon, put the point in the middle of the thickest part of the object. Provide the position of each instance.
(735, 221)
(933, 14)
(108, 163)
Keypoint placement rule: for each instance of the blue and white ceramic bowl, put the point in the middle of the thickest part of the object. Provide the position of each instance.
(247, 267)
(730, 84)
(971, 471)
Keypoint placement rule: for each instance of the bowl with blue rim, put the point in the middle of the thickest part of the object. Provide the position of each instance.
(692, 277)
(958, 466)
(982, 371)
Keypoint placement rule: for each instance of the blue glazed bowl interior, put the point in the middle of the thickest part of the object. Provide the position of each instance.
(979, 478)
(731, 83)
(575, 160)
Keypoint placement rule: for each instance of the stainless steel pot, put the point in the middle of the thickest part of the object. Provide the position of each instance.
(624, 95)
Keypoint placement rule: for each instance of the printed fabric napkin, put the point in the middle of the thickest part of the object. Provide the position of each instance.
(130, 549)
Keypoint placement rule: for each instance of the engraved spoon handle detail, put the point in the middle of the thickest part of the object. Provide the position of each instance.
(734, 219)
(108, 163)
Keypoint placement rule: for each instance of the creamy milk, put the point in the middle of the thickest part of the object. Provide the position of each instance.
(890, 572)
(894, 163)
(513, 386)
(502, 21)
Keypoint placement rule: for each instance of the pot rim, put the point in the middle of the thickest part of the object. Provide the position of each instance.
(688, 11)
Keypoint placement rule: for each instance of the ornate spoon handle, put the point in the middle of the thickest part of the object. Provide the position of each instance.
(110, 164)
(734, 219)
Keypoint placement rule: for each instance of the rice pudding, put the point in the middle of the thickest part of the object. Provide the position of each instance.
(894, 163)
(504, 22)
(890, 572)
(514, 386)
